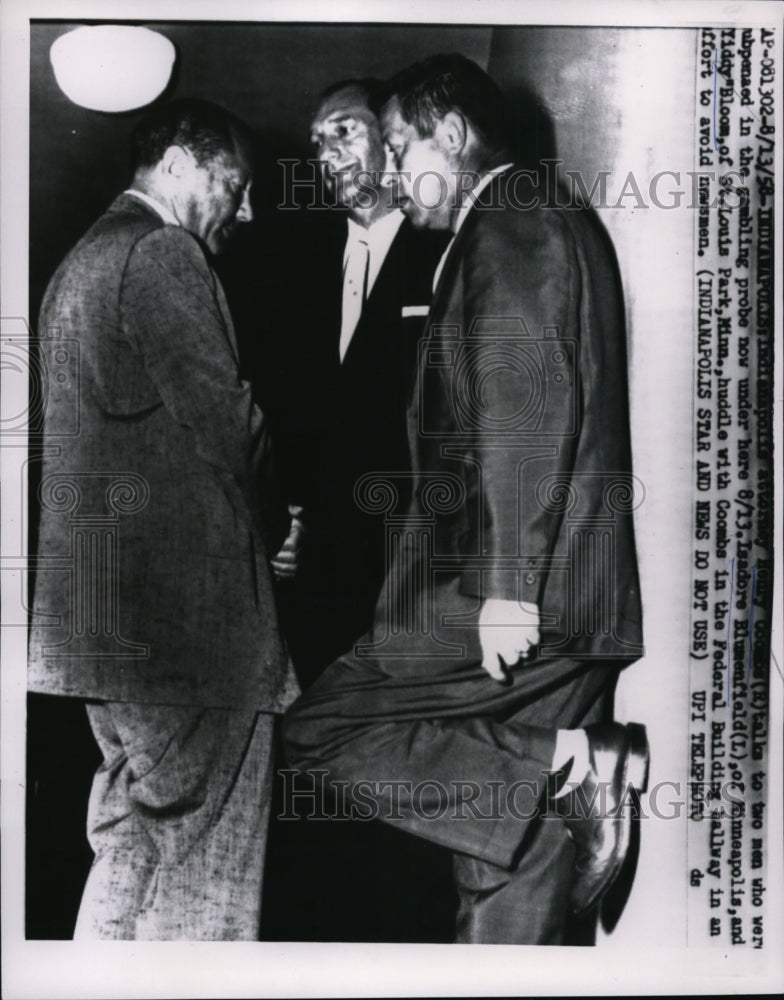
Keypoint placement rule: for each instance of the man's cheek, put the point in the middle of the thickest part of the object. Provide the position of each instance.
(429, 190)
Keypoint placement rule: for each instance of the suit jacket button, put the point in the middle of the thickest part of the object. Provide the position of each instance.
(530, 578)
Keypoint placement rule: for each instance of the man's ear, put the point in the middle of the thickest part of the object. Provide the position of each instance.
(177, 161)
(452, 132)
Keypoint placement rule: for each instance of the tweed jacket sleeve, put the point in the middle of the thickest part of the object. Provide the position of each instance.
(174, 312)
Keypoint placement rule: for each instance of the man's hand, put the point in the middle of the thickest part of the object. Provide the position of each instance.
(507, 629)
(286, 562)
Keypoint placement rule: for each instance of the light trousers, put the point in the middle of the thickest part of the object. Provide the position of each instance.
(177, 819)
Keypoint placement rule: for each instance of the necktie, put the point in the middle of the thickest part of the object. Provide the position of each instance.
(354, 290)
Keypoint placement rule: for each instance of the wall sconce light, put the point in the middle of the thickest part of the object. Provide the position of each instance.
(112, 67)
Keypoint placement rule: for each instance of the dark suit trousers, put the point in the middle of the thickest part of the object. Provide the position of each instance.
(452, 756)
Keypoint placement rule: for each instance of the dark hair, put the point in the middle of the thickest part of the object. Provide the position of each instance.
(374, 92)
(206, 129)
(429, 89)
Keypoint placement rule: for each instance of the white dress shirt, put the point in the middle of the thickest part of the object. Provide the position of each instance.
(365, 252)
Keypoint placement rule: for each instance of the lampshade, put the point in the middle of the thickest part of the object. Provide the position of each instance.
(112, 67)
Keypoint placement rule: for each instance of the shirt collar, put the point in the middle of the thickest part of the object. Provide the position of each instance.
(156, 206)
(463, 211)
(379, 234)
(473, 194)
(379, 237)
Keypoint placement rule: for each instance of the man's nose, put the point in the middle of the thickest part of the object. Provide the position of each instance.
(245, 212)
(329, 152)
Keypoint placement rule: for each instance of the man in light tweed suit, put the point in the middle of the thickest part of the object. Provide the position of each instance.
(154, 595)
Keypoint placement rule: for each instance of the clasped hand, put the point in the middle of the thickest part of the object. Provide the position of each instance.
(508, 630)
(286, 562)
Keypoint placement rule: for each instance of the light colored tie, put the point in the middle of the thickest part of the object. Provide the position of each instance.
(354, 290)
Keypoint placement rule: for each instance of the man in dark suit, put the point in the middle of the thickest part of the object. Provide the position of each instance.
(474, 714)
(368, 277)
(364, 282)
(153, 598)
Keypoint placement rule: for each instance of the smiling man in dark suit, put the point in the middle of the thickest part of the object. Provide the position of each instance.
(368, 283)
(475, 712)
(153, 598)
(363, 284)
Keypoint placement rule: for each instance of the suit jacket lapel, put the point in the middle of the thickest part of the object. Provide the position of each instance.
(382, 297)
(451, 264)
(228, 324)
(438, 305)
(336, 285)
(448, 273)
